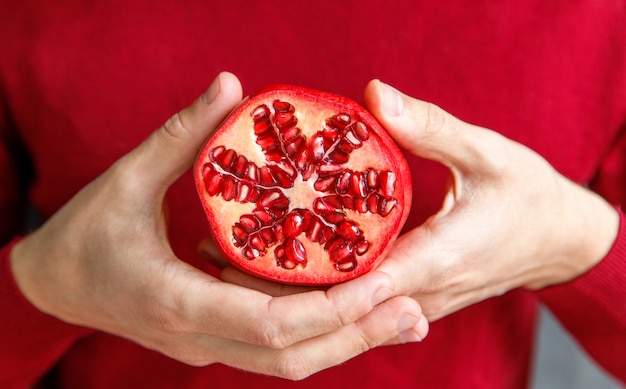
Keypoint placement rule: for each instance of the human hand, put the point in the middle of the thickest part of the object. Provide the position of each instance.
(103, 261)
(508, 219)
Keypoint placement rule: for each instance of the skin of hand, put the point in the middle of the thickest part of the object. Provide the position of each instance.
(508, 219)
(103, 261)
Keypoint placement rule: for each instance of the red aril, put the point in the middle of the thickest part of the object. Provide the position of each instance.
(303, 187)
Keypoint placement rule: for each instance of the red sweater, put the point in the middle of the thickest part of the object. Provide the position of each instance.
(82, 83)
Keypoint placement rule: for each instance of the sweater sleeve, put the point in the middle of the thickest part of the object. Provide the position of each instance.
(30, 341)
(593, 306)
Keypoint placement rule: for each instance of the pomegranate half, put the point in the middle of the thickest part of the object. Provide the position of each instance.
(303, 187)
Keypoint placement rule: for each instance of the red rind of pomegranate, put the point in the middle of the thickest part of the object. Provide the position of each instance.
(303, 187)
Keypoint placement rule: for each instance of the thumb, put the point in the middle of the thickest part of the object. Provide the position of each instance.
(426, 130)
(171, 150)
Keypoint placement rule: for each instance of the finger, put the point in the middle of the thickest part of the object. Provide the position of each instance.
(388, 323)
(277, 322)
(426, 130)
(235, 276)
(413, 333)
(172, 149)
(209, 251)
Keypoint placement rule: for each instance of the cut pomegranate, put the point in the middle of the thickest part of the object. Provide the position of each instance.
(303, 187)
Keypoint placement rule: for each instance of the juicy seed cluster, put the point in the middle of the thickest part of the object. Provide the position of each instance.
(290, 154)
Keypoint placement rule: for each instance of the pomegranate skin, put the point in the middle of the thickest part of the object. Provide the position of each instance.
(303, 187)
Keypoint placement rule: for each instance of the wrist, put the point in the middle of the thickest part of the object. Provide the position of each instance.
(588, 227)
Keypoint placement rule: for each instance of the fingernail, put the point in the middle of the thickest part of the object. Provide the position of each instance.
(412, 329)
(392, 100)
(382, 294)
(211, 93)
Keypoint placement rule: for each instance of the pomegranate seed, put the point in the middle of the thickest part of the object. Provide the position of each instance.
(372, 203)
(207, 171)
(316, 144)
(267, 235)
(371, 179)
(351, 139)
(321, 206)
(243, 192)
(294, 251)
(268, 142)
(249, 222)
(281, 204)
(341, 253)
(347, 265)
(324, 184)
(340, 121)
(283, 106)
(260, 112)
(240, 236)
(339, 156)
(265, 176)
(334, 243)
(291, 135)
(285, 121)
(255, 242)
(263, 216)
(229, 188)
(327, 234)
(315, 231)
(327, 169)
(277, 230)
(213, 184)
(307, 171)
(240, 167)
(255, 194)
(387, 183)
(295, 146)
(362, 247)
(343, 182)
(279, 252)
(330, 134)
(293, 225)
(360, 205)
(215, 153)
(333, 201)
(361, 131)
(263, 127)
(349, 231)
(335, 217)
(386, 207)
(286, 263)
(357, 185)
(226, 159)
(344, 146)
(281, 177)
(253, 172)
(250, 253)
(347, 202)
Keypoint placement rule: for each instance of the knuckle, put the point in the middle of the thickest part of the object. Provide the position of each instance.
(175, 127)
(270, 335)
(270, 330)
(436, 120)
(366, 343)
(342, 317)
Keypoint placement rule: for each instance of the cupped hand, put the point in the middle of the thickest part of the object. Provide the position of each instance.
(103, 261)
(508, 219)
